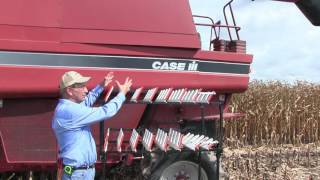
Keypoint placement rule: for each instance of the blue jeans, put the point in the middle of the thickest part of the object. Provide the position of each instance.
(80, 174)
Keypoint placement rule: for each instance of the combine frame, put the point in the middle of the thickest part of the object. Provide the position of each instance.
(160, 50)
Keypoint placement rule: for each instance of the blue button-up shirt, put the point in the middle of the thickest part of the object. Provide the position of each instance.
(71, 124)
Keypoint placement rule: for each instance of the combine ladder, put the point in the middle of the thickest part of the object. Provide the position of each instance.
(163, 139)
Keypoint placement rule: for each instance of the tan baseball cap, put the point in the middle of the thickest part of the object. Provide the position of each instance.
(71, 77)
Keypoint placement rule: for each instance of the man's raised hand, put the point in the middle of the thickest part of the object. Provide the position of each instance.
(125, 87)
(107, 79)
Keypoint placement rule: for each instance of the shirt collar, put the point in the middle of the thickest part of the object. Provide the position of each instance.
(66, 101)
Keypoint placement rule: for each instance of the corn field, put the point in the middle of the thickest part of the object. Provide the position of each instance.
(278, 137)
(276, 113)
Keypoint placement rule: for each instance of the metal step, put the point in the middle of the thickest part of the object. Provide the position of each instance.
(120, 140)
(136, 95)
(161, 140)
(175, 139)
(147, 140)
(165, 141)
(134, 140)
(108, 93)
(150, 95)
(164, 95)
(106, 140)
(170, 95)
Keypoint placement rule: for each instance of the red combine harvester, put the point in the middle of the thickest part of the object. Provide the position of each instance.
(167, 128)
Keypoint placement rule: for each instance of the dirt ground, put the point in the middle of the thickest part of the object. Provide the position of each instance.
(273, 162)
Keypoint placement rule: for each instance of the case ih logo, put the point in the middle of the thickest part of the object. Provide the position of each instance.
(178, 66)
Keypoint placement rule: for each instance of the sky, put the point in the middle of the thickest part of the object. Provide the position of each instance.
(284, 44)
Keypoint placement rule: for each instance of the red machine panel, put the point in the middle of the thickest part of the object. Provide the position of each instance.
(102, 22)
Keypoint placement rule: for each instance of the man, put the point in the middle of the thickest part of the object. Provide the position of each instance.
(72, 119)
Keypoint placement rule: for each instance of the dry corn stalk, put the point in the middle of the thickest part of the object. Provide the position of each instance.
(276, 113)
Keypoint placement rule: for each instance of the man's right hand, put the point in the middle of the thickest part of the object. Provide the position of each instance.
(125, 87)
(107, 79)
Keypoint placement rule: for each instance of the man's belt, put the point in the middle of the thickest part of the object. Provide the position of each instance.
(69, 169)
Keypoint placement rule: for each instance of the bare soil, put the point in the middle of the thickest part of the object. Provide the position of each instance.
(272, 162)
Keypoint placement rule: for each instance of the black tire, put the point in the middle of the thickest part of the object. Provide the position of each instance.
(185, 165)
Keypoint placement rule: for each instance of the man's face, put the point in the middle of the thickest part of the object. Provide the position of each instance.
(77, 92)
